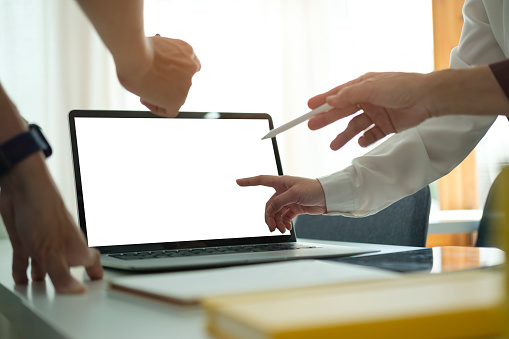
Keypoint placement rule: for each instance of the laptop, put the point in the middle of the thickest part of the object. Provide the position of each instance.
(159, 193)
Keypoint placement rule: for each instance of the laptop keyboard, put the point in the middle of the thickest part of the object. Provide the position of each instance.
(208, 251)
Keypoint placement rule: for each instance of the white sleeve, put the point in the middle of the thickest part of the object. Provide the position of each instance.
(482, 39)
(403, 164)
(410, 160)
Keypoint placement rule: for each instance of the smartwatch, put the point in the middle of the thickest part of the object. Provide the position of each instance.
(21, 146)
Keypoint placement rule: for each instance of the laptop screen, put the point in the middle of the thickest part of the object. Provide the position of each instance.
(143, 179)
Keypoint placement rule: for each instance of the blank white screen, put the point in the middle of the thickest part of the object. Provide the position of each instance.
(148, 180)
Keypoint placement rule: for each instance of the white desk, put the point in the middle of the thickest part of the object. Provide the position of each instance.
(100, 313)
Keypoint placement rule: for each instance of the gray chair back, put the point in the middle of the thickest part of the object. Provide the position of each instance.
(403, 223)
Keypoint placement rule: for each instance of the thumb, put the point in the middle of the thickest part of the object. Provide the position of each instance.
(284, 199)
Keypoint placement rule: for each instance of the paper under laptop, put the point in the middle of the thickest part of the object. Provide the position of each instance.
(157, 193)
(187, 288)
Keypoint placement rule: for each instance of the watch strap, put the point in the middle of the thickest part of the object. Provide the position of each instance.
(21, 146)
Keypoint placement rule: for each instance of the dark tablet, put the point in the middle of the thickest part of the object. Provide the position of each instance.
(433, 260)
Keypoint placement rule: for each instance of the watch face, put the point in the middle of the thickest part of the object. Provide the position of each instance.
(39, 138)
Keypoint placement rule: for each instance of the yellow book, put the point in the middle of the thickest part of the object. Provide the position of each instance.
(451, 305)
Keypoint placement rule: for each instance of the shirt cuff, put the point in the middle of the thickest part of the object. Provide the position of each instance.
(339, 197)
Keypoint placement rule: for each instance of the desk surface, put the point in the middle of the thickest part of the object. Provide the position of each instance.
(100, 313)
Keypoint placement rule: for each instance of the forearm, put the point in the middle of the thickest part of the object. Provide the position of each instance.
(119, 23)
(467, 91)
(11, 123)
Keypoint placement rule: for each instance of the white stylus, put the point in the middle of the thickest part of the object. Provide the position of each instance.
(295, 122)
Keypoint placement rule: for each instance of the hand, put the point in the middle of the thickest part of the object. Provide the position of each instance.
(163, 80)
(390, 103)
(393, 102)
(41, 229)
(293, 196)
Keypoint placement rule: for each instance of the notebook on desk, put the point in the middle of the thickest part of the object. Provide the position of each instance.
(156, 193)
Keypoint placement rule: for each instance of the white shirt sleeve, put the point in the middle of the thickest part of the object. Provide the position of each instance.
(410, 160)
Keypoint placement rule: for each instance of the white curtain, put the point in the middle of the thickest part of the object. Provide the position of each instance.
(257, 56)
(51, 61)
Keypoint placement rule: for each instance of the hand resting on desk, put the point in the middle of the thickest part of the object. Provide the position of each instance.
(41, 229)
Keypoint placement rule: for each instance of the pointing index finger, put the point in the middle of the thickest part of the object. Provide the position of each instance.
(263, 180)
